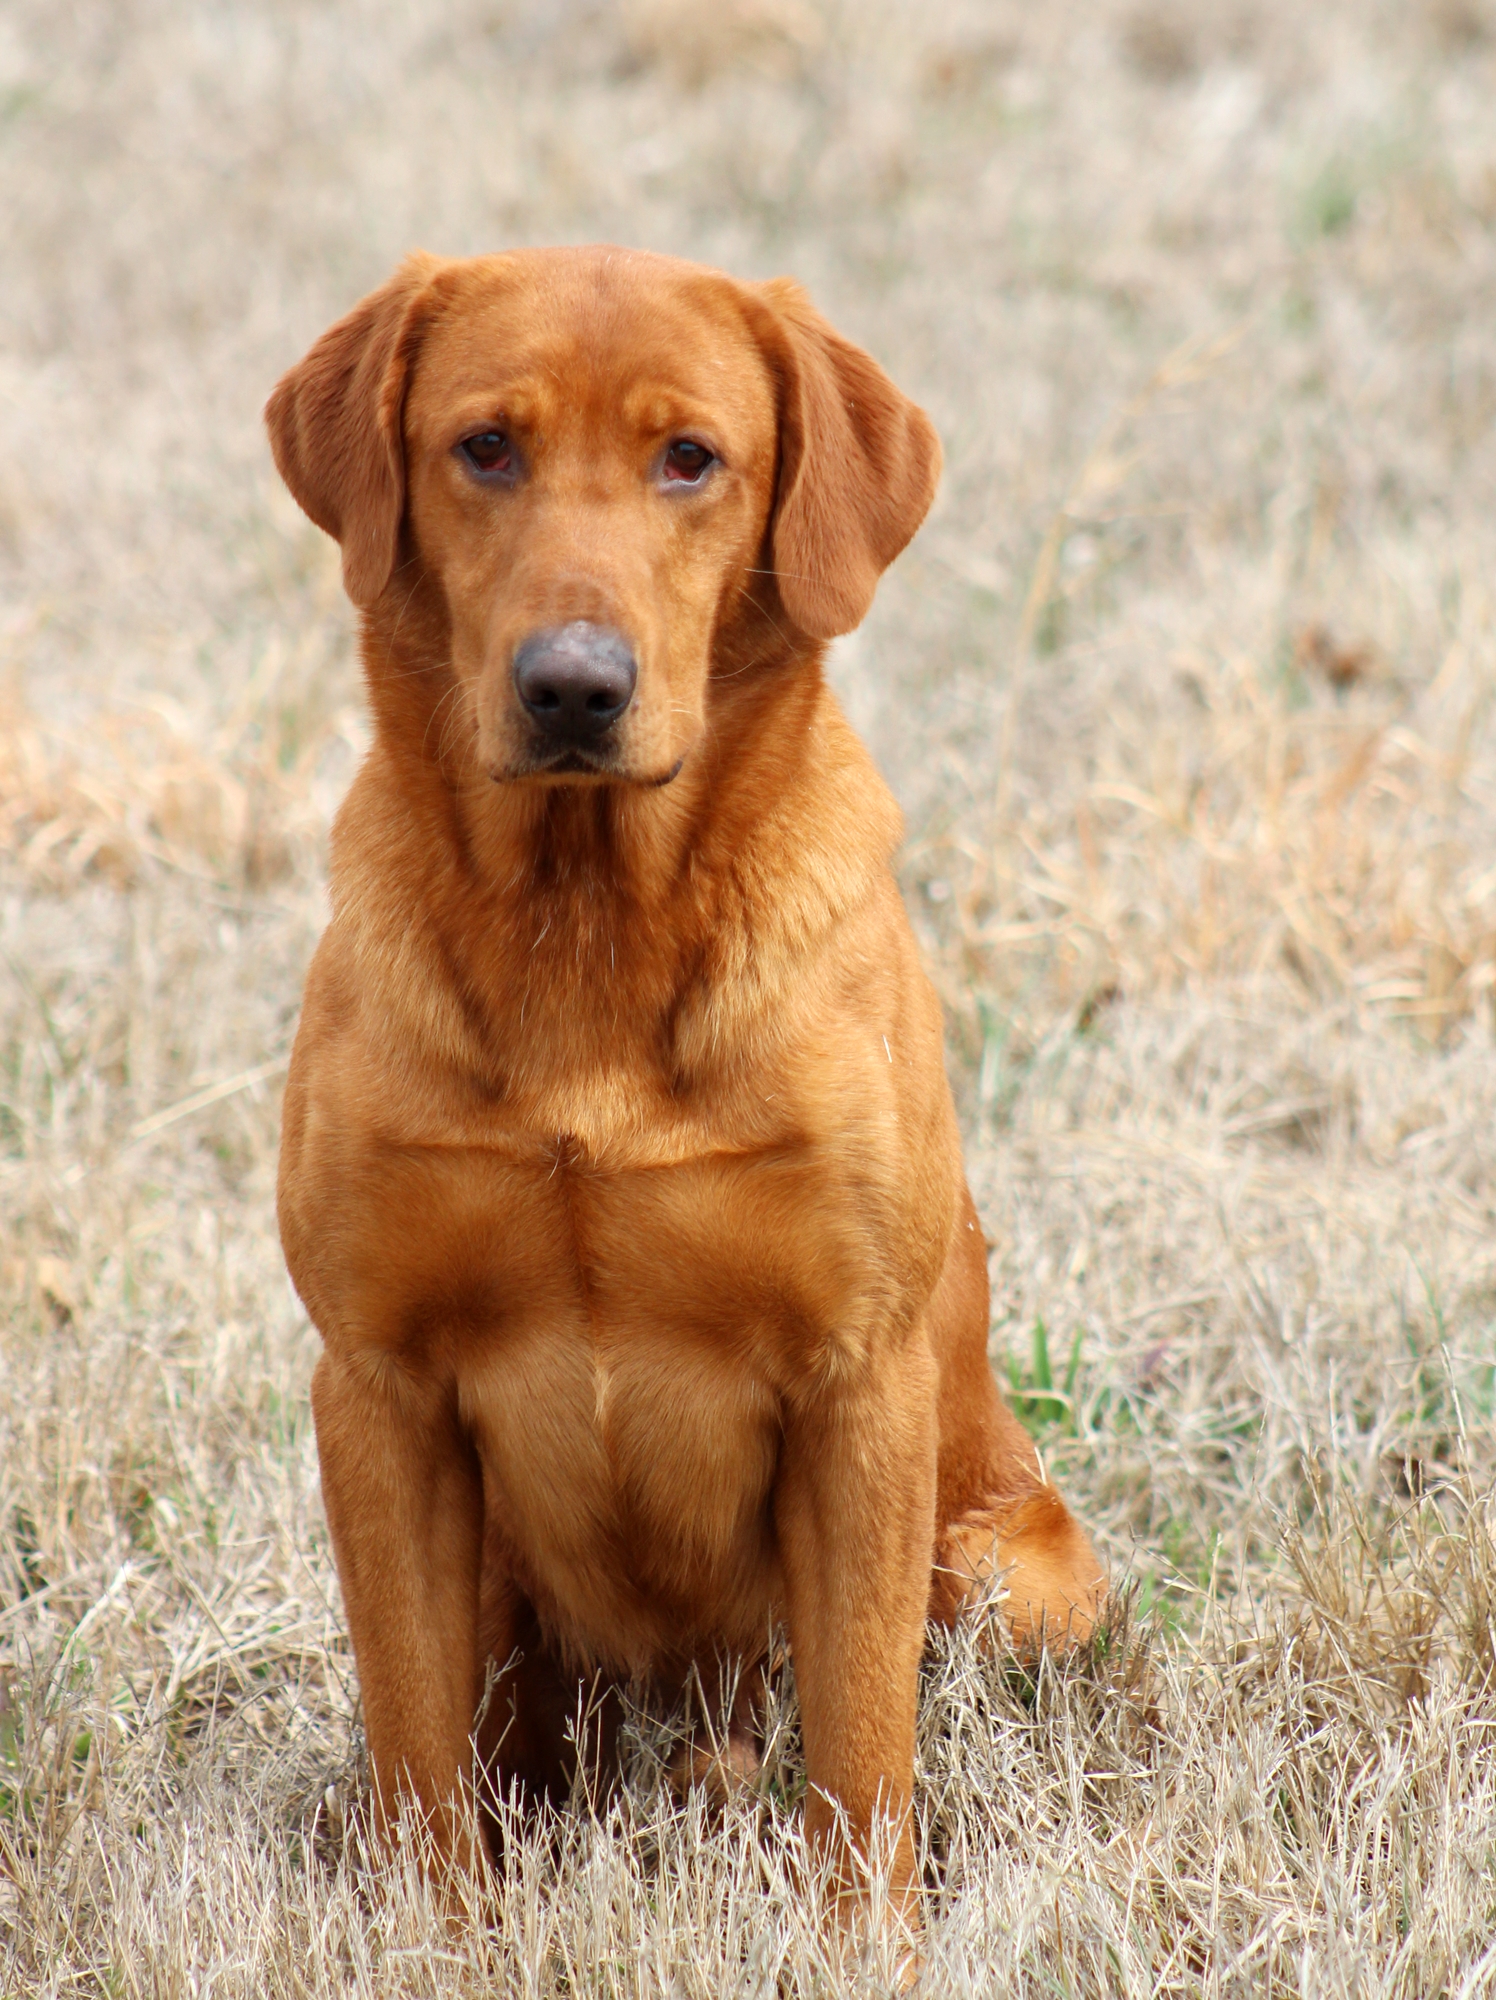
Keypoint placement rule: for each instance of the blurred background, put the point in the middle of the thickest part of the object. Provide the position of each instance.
(1185, 688)
(1200, 298)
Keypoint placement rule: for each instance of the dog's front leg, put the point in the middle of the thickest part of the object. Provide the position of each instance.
(404, 1501)
(855, 1513)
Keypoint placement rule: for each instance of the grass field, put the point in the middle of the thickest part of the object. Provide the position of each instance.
(1187, 691)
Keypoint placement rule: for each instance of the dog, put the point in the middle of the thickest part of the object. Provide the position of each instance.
(620, 1172)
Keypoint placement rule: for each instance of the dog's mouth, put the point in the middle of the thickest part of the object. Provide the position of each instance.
(573, 764)
(543, 761)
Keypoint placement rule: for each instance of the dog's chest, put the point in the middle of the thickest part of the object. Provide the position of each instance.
(625, 1391)
(628, 1480)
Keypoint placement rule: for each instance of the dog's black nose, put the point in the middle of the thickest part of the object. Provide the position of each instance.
(575, 680)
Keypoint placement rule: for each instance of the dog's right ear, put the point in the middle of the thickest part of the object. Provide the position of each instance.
(335, 426)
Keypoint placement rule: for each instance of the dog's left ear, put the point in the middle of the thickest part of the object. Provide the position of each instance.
(335, 426)
(858, 466)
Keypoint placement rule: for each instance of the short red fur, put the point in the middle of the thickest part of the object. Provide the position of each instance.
(620, 1173)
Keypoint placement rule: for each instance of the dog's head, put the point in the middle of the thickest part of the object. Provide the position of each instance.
(598, 457)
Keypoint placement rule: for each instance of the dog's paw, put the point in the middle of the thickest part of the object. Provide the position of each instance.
(1030, 1556)
(725, 1771)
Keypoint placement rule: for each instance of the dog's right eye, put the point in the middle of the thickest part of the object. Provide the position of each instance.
(488, 451)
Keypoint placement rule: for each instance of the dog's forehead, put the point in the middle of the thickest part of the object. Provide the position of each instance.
(621, 328)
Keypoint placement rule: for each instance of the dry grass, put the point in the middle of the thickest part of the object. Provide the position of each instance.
(1187, 691)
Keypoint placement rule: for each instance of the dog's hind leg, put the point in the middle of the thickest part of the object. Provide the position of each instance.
(996, 1515)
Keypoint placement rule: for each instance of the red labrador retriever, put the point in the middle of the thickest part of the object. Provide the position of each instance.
(620, 1173)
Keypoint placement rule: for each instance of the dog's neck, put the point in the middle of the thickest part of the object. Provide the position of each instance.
(678, 900)
(640, 850)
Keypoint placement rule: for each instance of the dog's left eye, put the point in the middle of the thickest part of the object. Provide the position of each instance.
(488, 451)
(686, 461)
